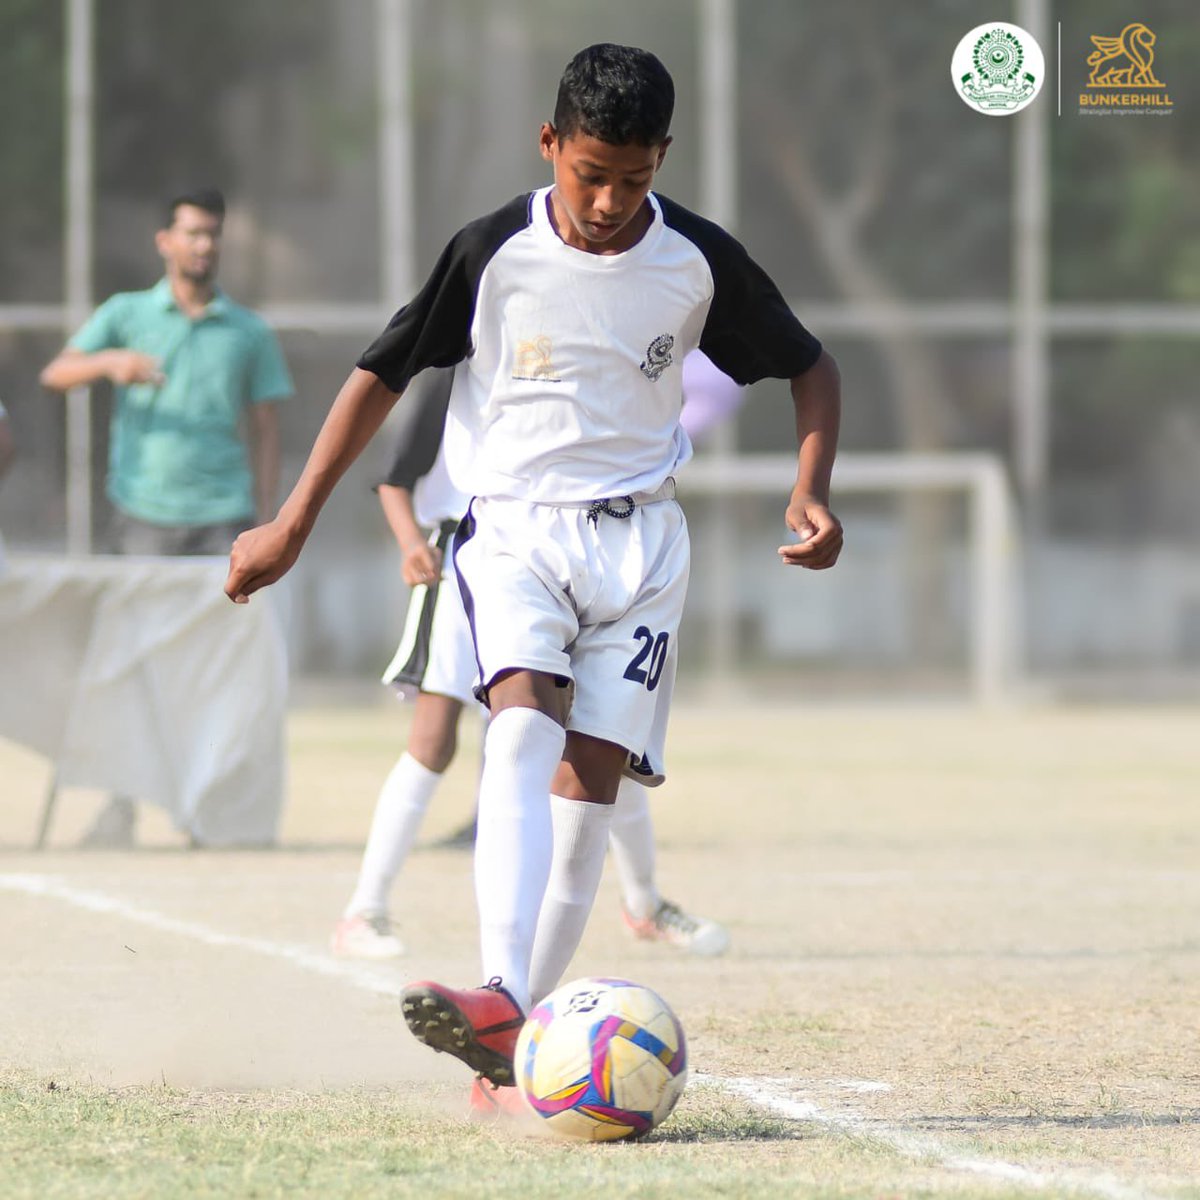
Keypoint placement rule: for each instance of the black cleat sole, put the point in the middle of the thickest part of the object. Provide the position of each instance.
(441, 1025)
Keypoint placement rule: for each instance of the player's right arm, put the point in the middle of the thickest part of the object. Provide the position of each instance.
(265, 554)
(434, 329)
(76, 368)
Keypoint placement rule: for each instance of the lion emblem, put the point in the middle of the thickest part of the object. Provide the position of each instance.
(1131, 57)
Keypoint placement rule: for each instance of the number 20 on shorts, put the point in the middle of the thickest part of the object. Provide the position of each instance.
(652, 648)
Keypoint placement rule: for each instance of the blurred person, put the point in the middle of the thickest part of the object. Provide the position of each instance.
(566, 314)
(194, 438)
(710, 397)
(436, 662)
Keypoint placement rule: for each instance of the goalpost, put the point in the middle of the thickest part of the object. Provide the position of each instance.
(993, 656)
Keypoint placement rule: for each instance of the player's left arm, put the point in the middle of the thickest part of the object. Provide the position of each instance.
(264, 458)
(816, 396)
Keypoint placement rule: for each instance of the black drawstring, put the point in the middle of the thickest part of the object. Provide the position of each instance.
(606, 506)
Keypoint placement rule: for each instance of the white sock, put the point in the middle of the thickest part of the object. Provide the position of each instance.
(514, 841)
(580, 840)
(632, 841)
(399, 811)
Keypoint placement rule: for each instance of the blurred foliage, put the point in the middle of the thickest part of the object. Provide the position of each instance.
(1126, 228)
(164, 72)
(875, 129)
(863, 93)
(1126, 225)
(486, 77)
(938, 228)
(31, 116)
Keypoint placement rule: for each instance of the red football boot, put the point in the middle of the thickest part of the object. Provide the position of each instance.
(477, 1025)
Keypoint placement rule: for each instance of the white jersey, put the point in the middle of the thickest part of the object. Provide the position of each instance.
(568, 380)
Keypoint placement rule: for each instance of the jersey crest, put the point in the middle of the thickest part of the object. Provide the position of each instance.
(658, 356)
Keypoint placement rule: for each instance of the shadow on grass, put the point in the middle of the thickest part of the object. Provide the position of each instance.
(711, 1128)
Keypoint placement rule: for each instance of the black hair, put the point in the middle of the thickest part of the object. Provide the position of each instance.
(207, 198)
(618, 94)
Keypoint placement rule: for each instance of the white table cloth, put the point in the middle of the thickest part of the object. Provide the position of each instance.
(138, 676)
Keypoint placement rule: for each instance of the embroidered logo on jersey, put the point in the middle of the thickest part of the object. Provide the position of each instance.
(658, 356)
(532, 361)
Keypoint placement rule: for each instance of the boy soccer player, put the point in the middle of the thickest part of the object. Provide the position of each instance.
(436, 662)
(567, 314)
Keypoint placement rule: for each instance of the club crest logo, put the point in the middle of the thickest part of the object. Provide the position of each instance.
(658, 356)
(998, 69)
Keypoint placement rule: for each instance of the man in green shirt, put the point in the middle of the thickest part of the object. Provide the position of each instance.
(194, 440)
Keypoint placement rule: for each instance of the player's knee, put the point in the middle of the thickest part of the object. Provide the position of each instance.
(529, 689)
(433, 737)
(590, 770)
(434, 750)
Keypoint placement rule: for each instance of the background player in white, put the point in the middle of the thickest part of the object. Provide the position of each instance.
(567, 314)
(435, 665)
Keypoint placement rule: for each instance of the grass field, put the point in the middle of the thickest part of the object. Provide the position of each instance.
(966, 961)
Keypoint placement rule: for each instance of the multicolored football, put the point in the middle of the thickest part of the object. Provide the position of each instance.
(601, 1059)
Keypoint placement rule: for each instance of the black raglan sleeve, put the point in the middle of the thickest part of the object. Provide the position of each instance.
(750, 332)
(417, 449)
(434, 329)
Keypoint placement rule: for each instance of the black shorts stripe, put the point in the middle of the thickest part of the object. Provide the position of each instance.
(412, 673)
(466, 531)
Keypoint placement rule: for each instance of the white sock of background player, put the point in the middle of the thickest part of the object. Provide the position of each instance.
(580, 840)
(399, 811)
(514, 841)
(632, 840)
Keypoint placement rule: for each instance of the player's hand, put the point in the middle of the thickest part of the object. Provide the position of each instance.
(422, 564)
(259, 557)
(130, 366)
(819, 533)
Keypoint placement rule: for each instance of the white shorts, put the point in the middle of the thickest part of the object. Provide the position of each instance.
(436, 653)
(595, 601)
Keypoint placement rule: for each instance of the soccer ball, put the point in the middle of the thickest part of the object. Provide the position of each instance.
(601, 1059)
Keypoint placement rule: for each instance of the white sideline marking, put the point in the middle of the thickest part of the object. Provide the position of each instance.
(299, 956)
(778, 1096)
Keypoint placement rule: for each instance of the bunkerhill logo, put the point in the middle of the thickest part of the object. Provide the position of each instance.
(1122, 75)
